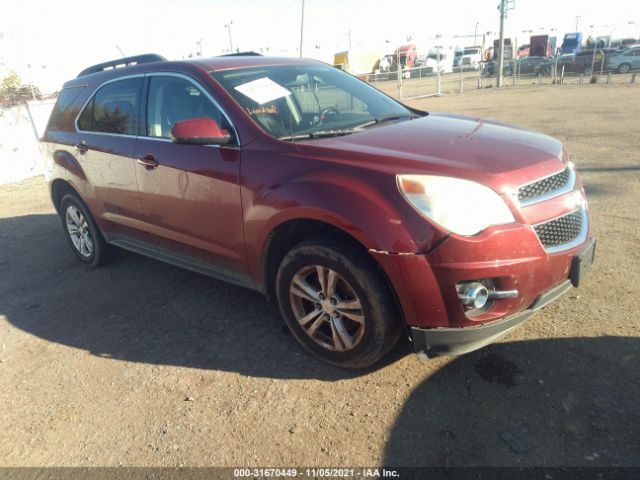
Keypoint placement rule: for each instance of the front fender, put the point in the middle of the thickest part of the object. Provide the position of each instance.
(368, 209)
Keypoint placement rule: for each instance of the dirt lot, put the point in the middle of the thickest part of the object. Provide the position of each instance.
(140, 363)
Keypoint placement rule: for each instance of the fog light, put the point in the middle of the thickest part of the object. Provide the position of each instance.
(473, 294)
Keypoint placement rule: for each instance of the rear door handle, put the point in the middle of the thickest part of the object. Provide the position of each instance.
(81, 147)
(148, 161)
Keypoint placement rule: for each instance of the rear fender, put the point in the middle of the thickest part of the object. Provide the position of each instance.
(69, 163)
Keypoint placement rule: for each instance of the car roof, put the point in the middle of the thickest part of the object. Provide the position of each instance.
(227, 62)
(230, 62)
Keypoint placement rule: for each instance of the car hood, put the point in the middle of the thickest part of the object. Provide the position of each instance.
(466, 147)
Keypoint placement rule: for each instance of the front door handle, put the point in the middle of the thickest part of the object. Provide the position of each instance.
(81, 147)
(148, 161)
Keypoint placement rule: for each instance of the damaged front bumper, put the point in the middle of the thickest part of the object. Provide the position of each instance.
(434, 342)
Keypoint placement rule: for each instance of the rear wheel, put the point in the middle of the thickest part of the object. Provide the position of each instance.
(81, 231)
(337, 304)
(624, 68)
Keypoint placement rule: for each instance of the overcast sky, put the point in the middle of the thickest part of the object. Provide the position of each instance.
(59, 38)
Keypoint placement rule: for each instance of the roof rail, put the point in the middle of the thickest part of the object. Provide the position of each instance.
(123, 62)
(242, 54)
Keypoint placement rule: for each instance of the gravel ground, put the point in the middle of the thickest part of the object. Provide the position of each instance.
(142, 364)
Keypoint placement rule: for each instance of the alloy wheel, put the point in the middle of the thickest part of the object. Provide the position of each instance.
(327, 308)
(78, 230)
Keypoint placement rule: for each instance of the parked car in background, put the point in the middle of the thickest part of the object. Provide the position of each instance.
(582, 62)
(564, 60)
(524, 66)
(362, 219)
(621, 43)
(532, 66)
(625, 61)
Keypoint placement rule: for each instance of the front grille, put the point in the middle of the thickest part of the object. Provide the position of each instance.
(544, 186)
(561, 230)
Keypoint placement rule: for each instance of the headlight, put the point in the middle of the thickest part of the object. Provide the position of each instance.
(460, 206)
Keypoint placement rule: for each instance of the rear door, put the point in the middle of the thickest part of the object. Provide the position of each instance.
(190, 193)
(108, 126)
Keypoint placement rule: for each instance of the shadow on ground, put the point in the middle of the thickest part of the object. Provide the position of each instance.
(570, 401)
(562, 402)
(141, 310)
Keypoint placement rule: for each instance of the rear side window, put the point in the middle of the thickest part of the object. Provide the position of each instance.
(114, 108)
(63, 113)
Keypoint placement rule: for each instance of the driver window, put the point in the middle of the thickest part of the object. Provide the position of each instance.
(173, 99)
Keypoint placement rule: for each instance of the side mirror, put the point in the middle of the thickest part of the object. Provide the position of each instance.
(199, 131)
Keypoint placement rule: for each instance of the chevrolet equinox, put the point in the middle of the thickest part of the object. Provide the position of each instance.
(363, 219)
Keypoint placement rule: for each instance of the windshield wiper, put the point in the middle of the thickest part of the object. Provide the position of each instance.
(334, 132)
(385, 118)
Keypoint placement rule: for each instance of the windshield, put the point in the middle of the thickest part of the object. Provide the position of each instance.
(290, 101)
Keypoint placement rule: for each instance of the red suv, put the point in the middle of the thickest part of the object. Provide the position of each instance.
(362, 218)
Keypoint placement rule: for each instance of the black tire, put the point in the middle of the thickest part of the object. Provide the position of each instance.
(624, 68)
(382, 325)
(100, 249)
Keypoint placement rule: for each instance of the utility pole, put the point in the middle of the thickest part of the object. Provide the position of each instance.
(301, 28)
(501, 44)
(228, 27)
(475, 34)
(503, 7)
(577, 22)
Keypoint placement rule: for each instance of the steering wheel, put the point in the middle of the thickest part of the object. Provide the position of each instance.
(327, 111)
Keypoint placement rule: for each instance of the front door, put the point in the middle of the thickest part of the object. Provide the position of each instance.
(190, 193)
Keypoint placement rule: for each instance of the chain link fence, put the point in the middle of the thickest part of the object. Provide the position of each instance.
(414, 83)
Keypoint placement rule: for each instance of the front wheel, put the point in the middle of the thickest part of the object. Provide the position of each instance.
(337, 304)
(624, 68)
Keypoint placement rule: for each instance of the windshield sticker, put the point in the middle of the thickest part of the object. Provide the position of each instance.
(263, 90)
(272, 110)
